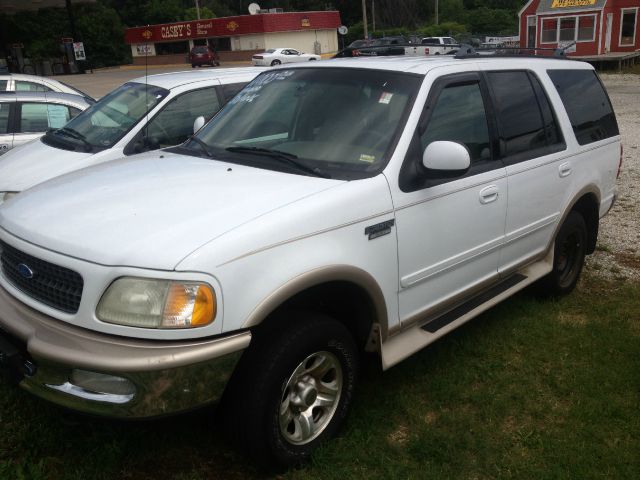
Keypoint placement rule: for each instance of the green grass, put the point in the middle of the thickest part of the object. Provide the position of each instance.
(532, 389)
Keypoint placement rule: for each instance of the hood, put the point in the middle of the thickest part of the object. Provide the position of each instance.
(36, 162)
(149, 211)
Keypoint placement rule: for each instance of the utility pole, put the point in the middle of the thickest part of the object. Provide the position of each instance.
(436, 12)
(197, 10)
(373, 14)
(364, 18)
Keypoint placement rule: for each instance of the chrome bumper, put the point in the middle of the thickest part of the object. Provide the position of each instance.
(166, 376)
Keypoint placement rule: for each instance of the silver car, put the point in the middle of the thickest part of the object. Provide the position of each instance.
(19, 82)
(25, 116)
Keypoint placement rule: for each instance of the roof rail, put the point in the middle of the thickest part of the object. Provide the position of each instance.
(468, 51)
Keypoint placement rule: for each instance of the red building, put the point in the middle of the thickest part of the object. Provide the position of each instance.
(235, 38)
(597, 27)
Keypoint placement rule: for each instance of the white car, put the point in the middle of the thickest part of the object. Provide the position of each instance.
(277, 56)
(18, 82)
(331, 209)
(144, 114)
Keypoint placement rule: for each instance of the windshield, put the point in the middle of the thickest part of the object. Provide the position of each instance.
(107, 121)
(341, 122)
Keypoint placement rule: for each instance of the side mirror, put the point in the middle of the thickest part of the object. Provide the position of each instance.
(446, 158)
(198, 123)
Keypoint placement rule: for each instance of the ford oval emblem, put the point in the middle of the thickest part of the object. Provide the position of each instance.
(25, 271)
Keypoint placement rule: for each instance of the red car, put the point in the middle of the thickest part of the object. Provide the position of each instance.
(203, 55)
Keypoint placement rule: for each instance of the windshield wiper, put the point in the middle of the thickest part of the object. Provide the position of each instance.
(202, 144)
(69, 132)
(286, 157)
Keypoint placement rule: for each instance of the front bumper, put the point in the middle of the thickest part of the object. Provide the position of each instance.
(169, 376)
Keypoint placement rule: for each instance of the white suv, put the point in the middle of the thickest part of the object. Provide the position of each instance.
(329, 209)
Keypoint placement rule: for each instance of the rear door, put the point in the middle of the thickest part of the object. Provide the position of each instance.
(533, 150)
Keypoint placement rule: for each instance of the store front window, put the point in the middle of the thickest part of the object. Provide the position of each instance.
(628, 28)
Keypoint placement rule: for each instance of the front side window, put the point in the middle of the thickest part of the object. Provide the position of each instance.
(174, 124)
(586, 103)
(229, 90)
(459, 116)
(519, 117)
(108, 120)
(38, 117)
(338, 121)
(628, 28)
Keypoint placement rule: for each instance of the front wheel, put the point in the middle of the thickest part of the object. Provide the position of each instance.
(569, 251)
(295, 389)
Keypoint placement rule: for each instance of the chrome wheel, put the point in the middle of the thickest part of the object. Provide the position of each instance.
(310, 398)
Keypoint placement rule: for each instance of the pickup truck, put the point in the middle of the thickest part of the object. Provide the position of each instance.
(439, 45)
(383, 47)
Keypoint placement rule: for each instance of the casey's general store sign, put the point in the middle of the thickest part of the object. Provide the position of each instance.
(572, 3)
(182, 31)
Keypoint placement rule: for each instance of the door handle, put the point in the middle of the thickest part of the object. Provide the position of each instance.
(489, 194)
(564, 170)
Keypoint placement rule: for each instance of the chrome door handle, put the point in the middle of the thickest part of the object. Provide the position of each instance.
(564, 170)
(489, 194)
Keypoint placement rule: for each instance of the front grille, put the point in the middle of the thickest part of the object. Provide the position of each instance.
(50, 284)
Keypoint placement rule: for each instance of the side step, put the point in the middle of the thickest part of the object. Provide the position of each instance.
(444, 320)
(407, 342)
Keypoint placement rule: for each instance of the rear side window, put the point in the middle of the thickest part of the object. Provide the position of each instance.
(30, 87)
(519, 116)
(3, 85)
(587, 104)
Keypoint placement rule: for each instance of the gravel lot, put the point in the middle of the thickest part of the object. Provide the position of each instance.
(618, 250)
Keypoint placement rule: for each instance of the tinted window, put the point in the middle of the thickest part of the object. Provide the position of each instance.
(587, 104)
(519, 118)
(3, 85)
(4, 117)
(175, 122)
(554, 136)
(459, 116)
(30, 87)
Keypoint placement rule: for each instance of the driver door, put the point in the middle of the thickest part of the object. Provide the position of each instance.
(450, 228)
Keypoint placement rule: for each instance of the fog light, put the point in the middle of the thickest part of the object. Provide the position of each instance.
(101, 383)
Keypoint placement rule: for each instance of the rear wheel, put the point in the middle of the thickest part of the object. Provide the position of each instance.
(568, 257)
(275, 62)
(293, 390)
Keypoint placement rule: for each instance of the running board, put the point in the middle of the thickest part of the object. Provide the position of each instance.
(407, 342)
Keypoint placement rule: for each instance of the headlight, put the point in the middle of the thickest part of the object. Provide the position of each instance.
(4, 196)
(147, 303)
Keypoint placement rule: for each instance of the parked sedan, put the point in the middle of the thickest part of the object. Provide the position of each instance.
(144, 114)
(277, 56)
(25, 116)
(17, 82)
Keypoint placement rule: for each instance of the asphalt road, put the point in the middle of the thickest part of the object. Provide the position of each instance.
(103, 81)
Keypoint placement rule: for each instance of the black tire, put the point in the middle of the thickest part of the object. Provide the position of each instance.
(275, 62)
(193, 65)
(312, 59)
(268, 382)
(570, 248)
